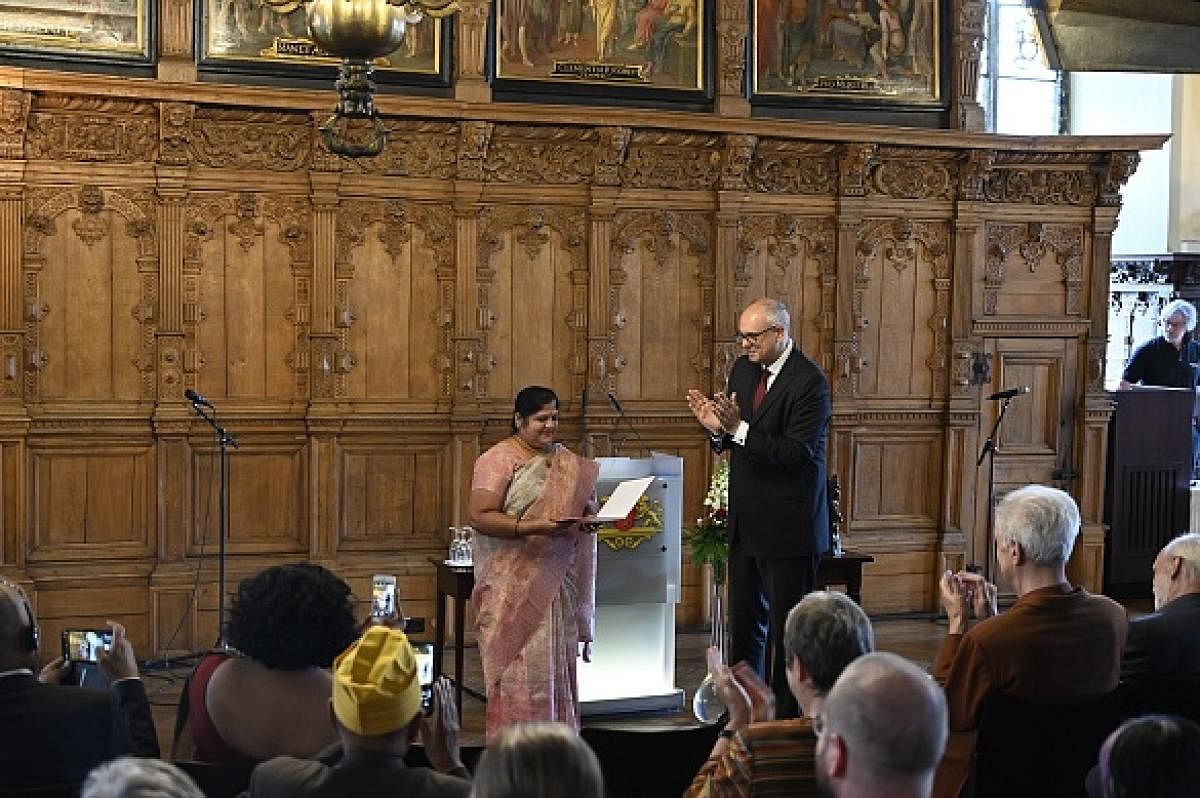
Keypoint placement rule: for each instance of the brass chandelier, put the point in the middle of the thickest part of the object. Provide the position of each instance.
(358, 32)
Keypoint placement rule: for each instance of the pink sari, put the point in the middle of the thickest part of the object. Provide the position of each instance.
(535, 597)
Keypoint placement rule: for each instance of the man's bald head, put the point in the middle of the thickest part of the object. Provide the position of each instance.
(885, 726)
(16, 619)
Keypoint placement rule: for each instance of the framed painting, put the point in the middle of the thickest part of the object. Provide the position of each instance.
(99, 30)
(602, 46)
(246, 36)
(882, 52)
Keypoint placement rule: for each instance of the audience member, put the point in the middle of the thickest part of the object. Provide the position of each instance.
(538, 760)
(756, 754)
(882, 730)
(376, 708)
(55, 733)
(1166, 644)
(1039, 648)
(269, 697)
(130, 777)
(1156, 756)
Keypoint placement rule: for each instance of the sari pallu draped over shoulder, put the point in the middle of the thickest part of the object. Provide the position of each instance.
(518, 579)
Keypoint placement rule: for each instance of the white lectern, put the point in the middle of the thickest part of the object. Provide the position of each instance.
(637, 588)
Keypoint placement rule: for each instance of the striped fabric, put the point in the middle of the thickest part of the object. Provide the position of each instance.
(764, 759)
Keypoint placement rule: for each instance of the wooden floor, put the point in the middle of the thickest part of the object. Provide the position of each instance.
(917, 639)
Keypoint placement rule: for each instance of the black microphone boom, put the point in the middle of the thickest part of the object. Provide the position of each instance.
(621, 412)
(1008, 394)
(196, 398)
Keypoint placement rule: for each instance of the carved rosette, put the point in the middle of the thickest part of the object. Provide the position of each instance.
(174, 133)
(91, 129)
(854, 162)
(910, 175)
(670, 160)
(538, 154)
(781, 166)
(96, 207)
(1033, 241)
(14, 118)
(242, 139)
(472, 149)
(610, 155)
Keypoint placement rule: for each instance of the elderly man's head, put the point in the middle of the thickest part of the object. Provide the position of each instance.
(824, 633)
(1176, 570)
(1178, 317)
(883, 729)
(1035, 526)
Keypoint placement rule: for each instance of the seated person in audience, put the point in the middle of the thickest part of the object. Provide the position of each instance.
(130, 777)
(270, 696)
(55, 733)
(882, 730)
(824, 633)
(376, 707)
(1156, 756)
(1165, 645)
(538, 760)
(1056, 643)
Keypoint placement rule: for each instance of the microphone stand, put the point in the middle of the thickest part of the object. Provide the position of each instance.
(989, 451)
(224, 441)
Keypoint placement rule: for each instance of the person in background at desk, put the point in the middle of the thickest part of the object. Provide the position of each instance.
(535, 567)
(1172, 361)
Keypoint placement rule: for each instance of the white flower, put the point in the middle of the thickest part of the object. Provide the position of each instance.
(718, 488)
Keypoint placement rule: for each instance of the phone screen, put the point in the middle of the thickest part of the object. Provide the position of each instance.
(424, 652)
(81, 645)
(383, 596)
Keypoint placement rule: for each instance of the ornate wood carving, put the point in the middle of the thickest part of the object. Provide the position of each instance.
(14, 117)
(853, 164)
(794, 167)
(415, 149)
(966, 112)
(540, 155)
(913, 174)
(610, 155)
(238, 139)
(1033, 241)
(735, 166)
(672, 160)
(175, 133)
(472, 149)
(68, 128)
(731, 46)
(1119, 167)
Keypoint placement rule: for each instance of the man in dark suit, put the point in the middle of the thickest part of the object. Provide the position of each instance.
(1165, 645)
(56, 733)
(376, 708)
(773, 420)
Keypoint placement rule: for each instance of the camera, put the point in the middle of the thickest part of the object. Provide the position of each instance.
(383, 596)
(424, 652)
(82, 645)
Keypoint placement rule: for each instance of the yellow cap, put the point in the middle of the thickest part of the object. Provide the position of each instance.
(375, 684)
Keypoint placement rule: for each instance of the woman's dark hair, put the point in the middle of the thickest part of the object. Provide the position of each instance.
(531, 399)
(538, 760)
(291, 617)
(1156, 756)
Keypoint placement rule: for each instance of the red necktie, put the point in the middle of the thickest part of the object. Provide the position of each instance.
(760, 392)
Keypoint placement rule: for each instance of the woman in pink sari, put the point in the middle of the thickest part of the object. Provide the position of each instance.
(535, 567)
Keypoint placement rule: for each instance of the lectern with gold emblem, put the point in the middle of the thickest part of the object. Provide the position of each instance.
(637, 587)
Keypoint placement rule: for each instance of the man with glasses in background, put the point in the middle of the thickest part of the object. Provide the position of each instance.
(1170, 361)
(772, 419)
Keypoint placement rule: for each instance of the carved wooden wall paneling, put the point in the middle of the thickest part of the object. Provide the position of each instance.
(363, 326)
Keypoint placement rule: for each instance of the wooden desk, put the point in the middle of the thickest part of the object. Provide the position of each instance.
(456, 582)
(845, 570)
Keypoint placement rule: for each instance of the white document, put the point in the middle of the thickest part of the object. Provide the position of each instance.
(622, 500)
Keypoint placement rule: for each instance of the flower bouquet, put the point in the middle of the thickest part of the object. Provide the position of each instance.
(709, 538)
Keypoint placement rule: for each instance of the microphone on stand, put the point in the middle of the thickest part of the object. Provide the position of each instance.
(197, 399)
(1008, 394)
(621, 412)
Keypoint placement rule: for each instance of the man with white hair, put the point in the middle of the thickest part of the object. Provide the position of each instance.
(882, 731)
(1056, 642)
(1172, 361)
(136, 777)
(1165, 645)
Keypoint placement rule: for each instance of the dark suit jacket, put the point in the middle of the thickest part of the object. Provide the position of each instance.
(1165, 644)
(777, 504)
(55, 734)
(285, 777)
